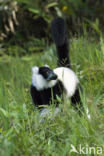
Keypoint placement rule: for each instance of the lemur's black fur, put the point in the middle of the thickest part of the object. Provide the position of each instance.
(60, 37)
(46, 96)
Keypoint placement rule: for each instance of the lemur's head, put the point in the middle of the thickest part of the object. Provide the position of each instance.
(43, 77)
(47, 73)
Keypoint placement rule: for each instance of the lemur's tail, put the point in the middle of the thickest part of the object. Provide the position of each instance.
(59, 35)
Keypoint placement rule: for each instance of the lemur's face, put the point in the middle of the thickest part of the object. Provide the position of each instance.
(47, 73)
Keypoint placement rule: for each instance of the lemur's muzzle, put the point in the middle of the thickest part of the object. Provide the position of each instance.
(52, 76)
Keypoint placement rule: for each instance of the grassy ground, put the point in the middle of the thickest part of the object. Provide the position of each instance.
(22, 133)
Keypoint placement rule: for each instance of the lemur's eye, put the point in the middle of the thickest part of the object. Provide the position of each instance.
(47, 72)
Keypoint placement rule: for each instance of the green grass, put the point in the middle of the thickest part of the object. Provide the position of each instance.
(22, 133)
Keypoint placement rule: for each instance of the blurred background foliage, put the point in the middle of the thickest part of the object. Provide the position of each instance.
(29, 20)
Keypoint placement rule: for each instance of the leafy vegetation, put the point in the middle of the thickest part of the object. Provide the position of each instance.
(24, 34)
(21, 129)
(8, 10)
(25, 18)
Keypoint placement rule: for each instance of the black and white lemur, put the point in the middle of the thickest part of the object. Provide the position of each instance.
(49, 83)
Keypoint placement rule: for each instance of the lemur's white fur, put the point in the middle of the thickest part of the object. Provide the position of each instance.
(68, 79)
(65, 75)
(39, 82)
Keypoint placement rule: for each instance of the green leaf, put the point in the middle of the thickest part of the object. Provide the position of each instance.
(36, 11)
(4, 112)
(51, 5)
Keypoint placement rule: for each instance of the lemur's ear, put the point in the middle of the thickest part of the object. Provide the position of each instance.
(35, 69)
(46, 65)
